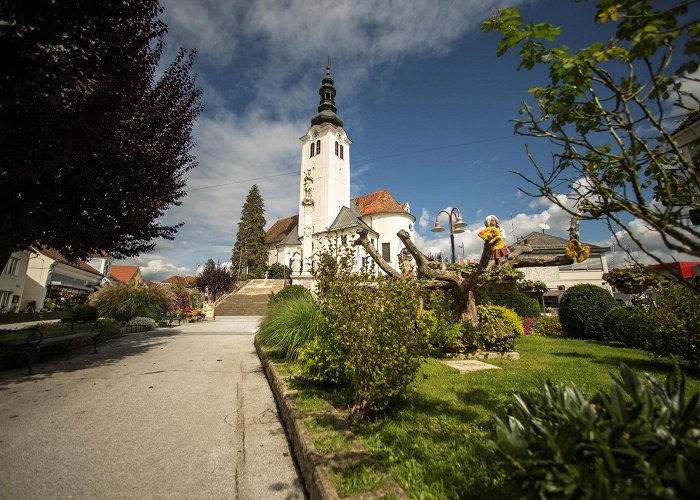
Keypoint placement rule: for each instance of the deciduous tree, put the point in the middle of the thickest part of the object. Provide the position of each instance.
(608, 111)
(93, 146)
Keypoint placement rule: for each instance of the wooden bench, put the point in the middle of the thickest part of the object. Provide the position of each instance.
(29, 339)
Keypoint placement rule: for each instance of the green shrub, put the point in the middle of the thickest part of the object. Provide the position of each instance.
(547, 326)
(582, 309)
(439, 333)
(278, 271)
(526, 307)
(624, 324)
(324, 360)
(497, 330)
(374, 321)
(121, 301)
(84, 312)
(289, 325)
(288, 292)
(672, 327)
(110, 328)
(637, 440)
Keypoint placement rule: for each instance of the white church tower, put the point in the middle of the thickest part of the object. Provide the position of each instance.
(325, 171)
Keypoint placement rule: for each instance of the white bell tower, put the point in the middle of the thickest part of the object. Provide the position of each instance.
(325, 170)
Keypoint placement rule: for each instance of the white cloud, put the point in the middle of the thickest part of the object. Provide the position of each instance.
(424, 219)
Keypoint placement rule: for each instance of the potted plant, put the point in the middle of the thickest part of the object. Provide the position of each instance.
(503, 277)
(533, 287)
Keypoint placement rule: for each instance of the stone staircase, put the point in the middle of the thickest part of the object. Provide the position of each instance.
(250, 299)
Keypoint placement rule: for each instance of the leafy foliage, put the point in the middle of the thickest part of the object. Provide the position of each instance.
(605, 111)
(497, 330)
(84, 312)
(532, 286)
(249, 251)
(217, 277)
(624, 324)
(582, 309)
(123, 302)
(441, 334)
(278, 271)
(513, 299)
(637, 440)
(290, 325)
(81, 108)
(548, 326)
(632, 279)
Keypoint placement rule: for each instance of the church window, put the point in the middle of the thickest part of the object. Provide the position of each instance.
(344, 239)
(341, 151)
(313, 149)
(386, 251)
(318, 147)
(336, 148)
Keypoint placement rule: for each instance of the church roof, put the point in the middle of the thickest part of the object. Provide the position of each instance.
(326, 109)
(348, 218)
(292, 237)
(379, 202)
(546, 243)
(281, 229)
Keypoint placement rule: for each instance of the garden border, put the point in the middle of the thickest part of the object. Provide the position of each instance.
(315, 467)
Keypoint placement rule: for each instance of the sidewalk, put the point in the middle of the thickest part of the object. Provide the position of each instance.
(174, 413)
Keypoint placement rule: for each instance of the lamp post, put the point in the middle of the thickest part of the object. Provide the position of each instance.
(456, 227)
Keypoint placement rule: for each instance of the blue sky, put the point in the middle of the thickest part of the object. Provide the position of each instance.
(425, 100)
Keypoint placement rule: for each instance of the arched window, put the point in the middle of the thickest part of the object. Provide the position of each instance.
(313, 149)
(318, 147)
(341, 151)
(336, 148)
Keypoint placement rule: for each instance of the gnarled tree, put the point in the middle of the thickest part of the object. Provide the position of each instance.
(465, 286)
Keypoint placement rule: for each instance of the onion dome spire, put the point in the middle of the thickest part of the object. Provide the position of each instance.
(326, 109)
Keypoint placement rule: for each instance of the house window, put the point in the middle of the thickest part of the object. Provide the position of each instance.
(341, 151)
(5, 300)
(318, 147)
(11, 267)
(313, 150)
(592, 264)
(336, 148)
(386, 251)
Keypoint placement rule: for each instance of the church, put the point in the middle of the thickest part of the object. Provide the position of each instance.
(326, 213)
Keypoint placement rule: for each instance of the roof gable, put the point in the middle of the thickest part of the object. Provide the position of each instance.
(79, 264)
(123, 273)
(379, 202)
(281, 229)
(347, 219)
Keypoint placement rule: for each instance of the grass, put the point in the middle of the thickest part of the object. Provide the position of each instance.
(289, 325)
(357, 478)
(435, 444)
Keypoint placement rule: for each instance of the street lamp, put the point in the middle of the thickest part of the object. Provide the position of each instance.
(456, 227)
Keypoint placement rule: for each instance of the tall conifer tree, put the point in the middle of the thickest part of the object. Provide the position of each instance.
(249, 251)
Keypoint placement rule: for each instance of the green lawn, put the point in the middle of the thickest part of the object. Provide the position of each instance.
(435, 443)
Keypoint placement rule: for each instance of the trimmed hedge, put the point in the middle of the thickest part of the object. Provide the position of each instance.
(582, 309)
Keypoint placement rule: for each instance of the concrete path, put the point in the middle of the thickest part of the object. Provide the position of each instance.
(174, 413)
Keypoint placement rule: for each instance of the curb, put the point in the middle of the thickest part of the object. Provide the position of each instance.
(315, 468)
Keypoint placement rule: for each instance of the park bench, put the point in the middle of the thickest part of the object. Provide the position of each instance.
(29, 339)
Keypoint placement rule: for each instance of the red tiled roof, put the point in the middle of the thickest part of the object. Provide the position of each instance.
(56, 255)
(380, 202)
(123, 273)
(185, 281)
(281, 229)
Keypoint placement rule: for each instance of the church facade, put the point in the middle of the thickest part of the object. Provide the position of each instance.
(326, 215)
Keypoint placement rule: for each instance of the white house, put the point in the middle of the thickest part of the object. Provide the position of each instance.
(326, 214)
(12, 280)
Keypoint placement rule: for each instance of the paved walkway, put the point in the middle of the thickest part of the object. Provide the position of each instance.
(174, 413)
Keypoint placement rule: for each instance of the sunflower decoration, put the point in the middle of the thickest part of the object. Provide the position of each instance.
(492, 236)
(576, 251)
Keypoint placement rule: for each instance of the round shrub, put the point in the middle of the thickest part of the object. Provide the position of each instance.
(582, 309)
(526, 307)
(497, 330)
(624, 324)
(123, 302)
(289, 293)
(84, 312)
(440, 334)
(278, 271)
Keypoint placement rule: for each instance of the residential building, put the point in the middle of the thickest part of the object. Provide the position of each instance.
(131, 275)
(183, 280)
(559, 278)
(12, 281)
